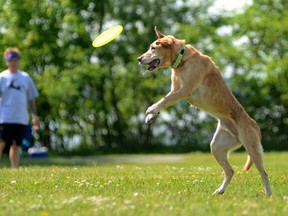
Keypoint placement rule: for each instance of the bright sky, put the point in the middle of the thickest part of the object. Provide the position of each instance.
(229, 5)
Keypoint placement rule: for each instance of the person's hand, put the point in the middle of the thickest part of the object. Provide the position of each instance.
(35, 122)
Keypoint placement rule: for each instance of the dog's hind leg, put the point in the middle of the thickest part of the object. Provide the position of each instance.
(250, 138)
(222, 142)
(257, 157)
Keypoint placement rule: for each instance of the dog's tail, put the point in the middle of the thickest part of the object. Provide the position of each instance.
(248, 164)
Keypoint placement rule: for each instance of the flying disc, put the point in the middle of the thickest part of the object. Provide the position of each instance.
(107, 36)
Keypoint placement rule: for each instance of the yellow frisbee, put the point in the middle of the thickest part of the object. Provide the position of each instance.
(107, 36)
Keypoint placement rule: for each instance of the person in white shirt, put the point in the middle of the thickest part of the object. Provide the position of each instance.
(17, 93)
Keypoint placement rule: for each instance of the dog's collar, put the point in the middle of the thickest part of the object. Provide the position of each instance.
(179, 58)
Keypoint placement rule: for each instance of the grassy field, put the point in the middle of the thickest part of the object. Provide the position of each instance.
(174, 188)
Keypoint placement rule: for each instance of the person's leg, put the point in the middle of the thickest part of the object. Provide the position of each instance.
(18, 135)
(2, 146)
(2, 142)
(14, 156)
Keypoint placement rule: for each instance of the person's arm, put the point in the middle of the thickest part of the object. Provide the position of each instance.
(35, 119)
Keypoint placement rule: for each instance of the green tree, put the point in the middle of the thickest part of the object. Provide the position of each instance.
(97, 97)
(261, 72)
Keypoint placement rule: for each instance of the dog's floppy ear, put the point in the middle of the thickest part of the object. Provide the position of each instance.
(159, 34)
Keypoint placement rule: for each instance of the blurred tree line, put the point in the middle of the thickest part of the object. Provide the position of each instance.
(93, 100)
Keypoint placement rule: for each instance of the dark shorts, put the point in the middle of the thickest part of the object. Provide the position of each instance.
(12, 133)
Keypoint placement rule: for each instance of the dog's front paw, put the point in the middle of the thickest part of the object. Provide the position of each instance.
(150, 118)
(152, 110)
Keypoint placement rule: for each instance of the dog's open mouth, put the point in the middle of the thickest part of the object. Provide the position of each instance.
(153, 64)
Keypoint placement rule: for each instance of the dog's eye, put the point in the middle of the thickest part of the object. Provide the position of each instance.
(152, 48)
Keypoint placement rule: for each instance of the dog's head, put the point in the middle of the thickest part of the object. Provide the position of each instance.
(162, 52)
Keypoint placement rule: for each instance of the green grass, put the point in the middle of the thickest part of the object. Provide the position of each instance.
(178, 188)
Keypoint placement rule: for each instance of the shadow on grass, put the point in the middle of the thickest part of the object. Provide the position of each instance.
(95, 160)
(46, 162)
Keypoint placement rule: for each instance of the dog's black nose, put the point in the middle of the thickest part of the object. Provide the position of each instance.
(139, 59)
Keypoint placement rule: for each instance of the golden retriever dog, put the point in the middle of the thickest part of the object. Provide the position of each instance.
(196, 78)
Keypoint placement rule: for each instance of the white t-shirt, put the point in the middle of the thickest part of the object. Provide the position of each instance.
(16, 90)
